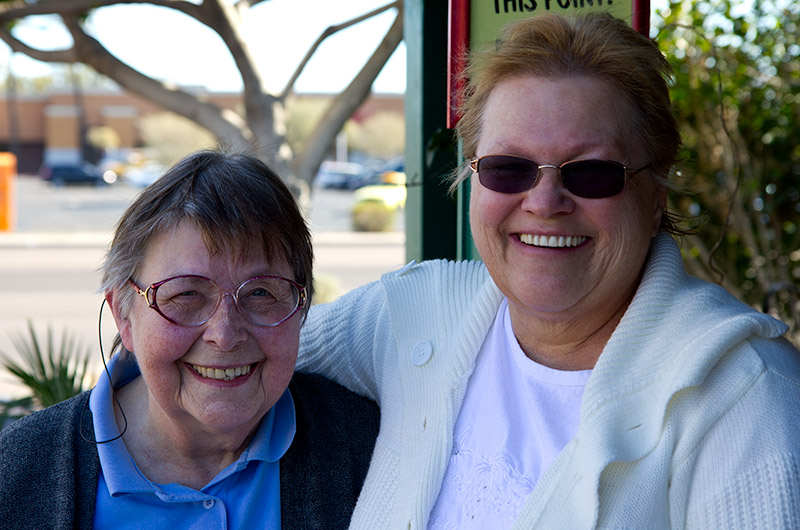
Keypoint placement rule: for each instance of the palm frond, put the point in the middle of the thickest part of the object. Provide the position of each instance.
(52, 374)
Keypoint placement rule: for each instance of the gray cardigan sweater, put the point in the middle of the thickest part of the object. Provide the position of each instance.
(48, 472)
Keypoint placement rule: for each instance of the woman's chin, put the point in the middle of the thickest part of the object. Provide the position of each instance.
(227, 416)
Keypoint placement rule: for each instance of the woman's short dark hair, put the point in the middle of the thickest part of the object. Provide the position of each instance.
(238, 203)
(595, 45)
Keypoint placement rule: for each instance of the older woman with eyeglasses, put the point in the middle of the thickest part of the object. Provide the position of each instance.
(208, 277)
(577, 378)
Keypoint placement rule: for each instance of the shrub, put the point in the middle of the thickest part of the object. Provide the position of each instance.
(372, 216)
(52, 373)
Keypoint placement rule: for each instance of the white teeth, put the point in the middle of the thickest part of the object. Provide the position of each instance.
(552, 241)
(219, 374)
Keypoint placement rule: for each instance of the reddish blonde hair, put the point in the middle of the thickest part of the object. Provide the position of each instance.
(594, 45)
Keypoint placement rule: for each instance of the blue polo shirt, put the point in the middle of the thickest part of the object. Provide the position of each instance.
(244, 495)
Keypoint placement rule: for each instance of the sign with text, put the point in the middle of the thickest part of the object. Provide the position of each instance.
(477, 23)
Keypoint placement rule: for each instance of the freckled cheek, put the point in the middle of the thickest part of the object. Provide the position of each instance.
(280, 345)
(164, 344)
(281, 357)
(148, 327)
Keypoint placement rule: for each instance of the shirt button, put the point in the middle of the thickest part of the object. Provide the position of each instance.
(208, 504)
(421, 353)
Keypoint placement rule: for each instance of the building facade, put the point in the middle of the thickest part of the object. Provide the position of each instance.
(49, 128)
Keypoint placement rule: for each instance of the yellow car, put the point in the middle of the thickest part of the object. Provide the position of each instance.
(392, 195)
(390, 190)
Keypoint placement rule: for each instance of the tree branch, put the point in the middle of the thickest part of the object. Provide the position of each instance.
(346, 103)
(48, 56)
(262, 126)
(327, 33)
(241, 4)
(226, 22)
(19, 9)
(89, 51)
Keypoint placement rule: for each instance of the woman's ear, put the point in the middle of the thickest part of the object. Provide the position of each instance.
(123, 321)
(660, 208)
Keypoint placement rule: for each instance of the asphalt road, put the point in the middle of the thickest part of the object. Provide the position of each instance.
(49, 264)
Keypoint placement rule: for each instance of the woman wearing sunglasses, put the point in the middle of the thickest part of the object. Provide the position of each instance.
(208, 277)
(577, 378)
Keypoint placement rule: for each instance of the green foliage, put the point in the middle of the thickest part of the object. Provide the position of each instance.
(736, 94)
(51, 373)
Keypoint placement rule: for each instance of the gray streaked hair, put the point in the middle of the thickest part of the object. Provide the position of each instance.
(238, 203)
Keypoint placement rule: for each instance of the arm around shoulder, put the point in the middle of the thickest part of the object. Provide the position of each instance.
(342, 340)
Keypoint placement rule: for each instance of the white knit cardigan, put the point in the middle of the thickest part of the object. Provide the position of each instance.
(691, 418)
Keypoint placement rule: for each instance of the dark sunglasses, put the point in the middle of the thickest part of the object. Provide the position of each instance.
(591, 179)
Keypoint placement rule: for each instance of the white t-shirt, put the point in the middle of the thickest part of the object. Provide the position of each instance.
(516, 417)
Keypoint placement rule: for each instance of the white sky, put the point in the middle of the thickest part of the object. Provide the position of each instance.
(167, 45)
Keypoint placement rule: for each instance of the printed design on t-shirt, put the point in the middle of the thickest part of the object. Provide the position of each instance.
(486, 483)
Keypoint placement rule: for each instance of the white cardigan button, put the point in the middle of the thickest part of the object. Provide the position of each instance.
(422, 352)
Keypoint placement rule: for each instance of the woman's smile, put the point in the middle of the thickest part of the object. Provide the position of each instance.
(238, 373)
(552, 241)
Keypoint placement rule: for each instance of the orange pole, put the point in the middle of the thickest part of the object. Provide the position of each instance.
(8, 192)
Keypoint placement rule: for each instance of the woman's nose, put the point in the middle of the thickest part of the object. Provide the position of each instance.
(226, 328)
(548, 197)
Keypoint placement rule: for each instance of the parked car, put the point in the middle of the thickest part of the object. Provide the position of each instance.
(85, 173)
(387, 172)
(339, 175)
(144, 175)
(392, 195)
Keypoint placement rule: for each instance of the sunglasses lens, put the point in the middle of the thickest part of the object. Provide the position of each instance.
(593, 179)
(506, 174)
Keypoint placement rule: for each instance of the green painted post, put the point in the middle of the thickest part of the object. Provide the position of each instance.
(431, 215)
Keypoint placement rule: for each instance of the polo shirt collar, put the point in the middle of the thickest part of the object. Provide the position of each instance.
(271, 441)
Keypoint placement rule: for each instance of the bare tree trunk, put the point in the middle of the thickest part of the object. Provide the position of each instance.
(345, 104)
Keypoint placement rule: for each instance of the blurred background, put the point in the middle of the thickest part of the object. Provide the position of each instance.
(348, 101)
(85, 142)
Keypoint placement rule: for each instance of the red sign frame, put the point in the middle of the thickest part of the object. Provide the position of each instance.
(458, 33)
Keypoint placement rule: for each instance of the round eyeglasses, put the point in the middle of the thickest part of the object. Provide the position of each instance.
(191, 300)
